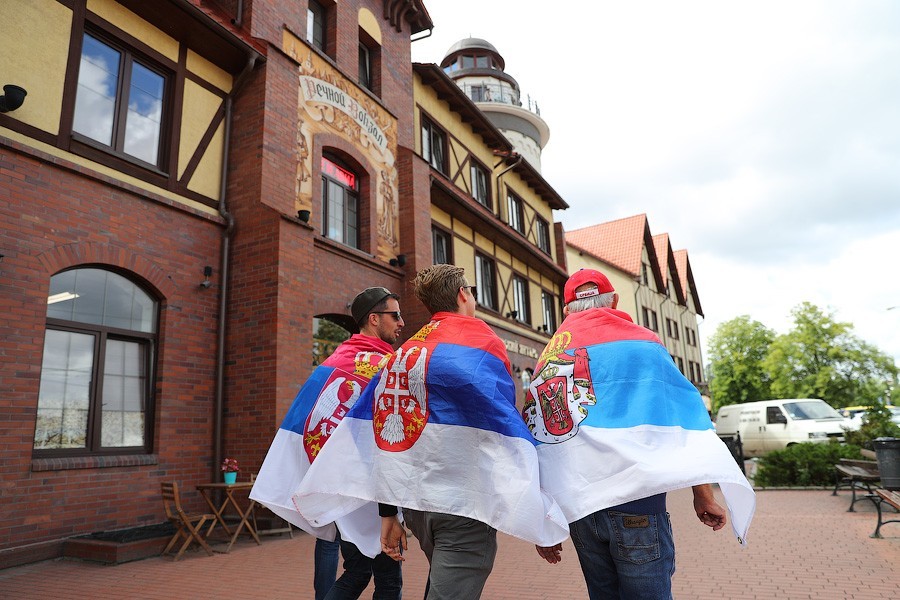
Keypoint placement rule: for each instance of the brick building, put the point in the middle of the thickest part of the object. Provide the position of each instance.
(186, 186)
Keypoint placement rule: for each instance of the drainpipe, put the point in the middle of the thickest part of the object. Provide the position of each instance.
(224, 274)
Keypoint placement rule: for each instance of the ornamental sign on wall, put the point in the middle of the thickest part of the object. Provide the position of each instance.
(327, 102)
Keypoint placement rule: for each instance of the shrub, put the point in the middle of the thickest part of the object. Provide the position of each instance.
(806, 464)
(876, 423)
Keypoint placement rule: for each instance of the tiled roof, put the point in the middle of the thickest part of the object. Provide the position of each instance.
(618, 242)
(687, 278)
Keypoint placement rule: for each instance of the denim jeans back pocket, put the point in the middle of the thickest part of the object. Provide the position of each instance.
(637, 536)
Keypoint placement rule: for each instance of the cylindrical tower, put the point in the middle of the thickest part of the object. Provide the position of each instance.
(477, 68)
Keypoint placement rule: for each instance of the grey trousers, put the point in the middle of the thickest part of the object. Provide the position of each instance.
(460, 551)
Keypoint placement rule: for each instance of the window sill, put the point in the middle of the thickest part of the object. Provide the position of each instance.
(66, 463)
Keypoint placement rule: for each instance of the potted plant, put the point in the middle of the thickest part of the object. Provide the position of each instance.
(231, 469)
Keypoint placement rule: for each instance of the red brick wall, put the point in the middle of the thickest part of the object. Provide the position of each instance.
(54, 215)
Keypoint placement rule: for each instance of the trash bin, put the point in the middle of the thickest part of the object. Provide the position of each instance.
(887, 452)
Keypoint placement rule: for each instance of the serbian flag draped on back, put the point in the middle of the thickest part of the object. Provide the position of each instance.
(437, 430)
(618, 422)
(321, 403)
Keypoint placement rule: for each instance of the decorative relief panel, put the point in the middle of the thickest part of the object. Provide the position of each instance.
(330, 103)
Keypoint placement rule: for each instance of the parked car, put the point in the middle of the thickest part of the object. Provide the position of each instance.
(856, 415)
(770, 425)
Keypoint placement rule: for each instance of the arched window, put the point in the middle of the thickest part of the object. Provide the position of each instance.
(340, 201)
(96, 375)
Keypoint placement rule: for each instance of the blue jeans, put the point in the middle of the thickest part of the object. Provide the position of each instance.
(326, 559)
(359, 569)
(624, 555)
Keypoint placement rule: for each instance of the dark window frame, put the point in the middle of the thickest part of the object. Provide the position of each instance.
(436, 233)
(486, 282)
(476, 167)
(102, 334)
(432, 133)
(543, 235)
(370, 72)
(348, 222)
(515, 206)
(548, 310)
(114, 154)
(521, 300)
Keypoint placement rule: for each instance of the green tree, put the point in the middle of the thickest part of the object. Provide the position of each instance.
(821, 358)
(736, 352)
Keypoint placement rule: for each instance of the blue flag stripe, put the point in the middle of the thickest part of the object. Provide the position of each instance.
(303, 403)
(628, 397)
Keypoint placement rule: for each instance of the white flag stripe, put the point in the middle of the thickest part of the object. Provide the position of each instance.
(451, 469)
(608, 467)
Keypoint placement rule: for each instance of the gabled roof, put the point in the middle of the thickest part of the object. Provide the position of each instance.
(687, 277)
(435, 78)
(619, 243)
(666, 259)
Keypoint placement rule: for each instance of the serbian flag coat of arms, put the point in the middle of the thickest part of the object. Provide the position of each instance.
(616, 421)
(438, 430)
(323, 401)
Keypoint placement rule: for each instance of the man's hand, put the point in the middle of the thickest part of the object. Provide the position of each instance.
(708, 510)
(550, 553)
(393, 537)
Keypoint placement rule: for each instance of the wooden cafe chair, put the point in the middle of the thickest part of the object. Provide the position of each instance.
(188, 525)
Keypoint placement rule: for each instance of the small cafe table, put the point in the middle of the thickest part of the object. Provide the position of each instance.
(229, 504)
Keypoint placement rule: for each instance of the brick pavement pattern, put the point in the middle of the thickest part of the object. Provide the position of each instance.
(802, 544)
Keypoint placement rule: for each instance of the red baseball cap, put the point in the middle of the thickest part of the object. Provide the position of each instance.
(581, 277)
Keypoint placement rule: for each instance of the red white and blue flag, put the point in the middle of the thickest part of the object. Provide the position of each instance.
(438, 430)
(323, 401)
(616, 421)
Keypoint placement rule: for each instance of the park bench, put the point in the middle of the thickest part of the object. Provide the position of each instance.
(855, 474)
(880, 497)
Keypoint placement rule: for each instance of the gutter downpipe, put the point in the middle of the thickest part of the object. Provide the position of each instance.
(224, 272)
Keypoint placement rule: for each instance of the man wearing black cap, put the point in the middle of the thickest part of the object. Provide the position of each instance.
(321, 404)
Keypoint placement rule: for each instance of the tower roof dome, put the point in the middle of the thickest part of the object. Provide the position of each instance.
(478, 45)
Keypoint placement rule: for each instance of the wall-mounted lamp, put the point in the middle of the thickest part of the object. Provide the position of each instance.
(513, 313)
(207, 271)
(13, 97)
(303, 215)
(399, 261)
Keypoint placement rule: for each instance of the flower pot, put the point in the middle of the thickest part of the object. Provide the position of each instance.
(230, 476)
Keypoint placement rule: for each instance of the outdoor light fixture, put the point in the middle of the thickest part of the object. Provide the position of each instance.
(13, 97)
(399, 261)
(303, 215)
(207, 271)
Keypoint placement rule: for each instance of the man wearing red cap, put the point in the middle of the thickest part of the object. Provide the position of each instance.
(642, 431)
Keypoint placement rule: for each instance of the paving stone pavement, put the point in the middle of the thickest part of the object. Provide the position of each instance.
(802, 544)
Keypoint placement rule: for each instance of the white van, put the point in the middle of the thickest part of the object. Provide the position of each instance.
(776, 424)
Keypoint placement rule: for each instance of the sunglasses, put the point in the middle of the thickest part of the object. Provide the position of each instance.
(474, 289)
(393, 313)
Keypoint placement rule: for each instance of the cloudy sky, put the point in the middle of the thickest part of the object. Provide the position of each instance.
(763, 136)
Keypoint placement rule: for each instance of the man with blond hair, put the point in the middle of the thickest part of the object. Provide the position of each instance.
(437, 433)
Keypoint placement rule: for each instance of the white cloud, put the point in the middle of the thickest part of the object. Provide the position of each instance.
(764, 137)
